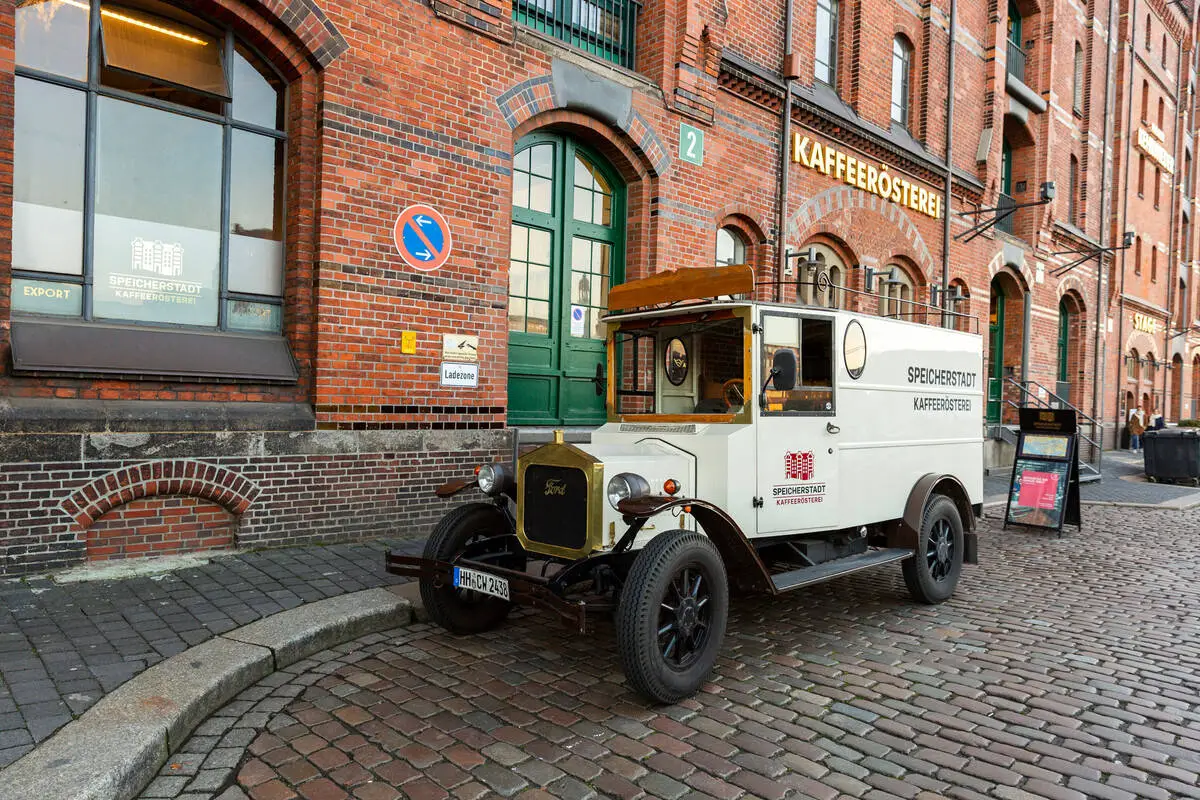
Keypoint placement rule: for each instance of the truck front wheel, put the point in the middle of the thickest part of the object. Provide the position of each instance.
(671, 615)
(932, 573)
(465, 611)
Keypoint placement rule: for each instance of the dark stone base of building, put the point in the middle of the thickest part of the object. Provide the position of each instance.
(127, 480)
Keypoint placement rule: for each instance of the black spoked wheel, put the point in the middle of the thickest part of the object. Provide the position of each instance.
(939, 550)
(685, 618)
(671, 616)
(933, 571)
(468, 530)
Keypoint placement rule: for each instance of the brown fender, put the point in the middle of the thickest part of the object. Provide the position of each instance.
(746, 570)
(451, 488)
(914, 511)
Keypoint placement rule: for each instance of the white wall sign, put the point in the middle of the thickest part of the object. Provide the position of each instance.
(459, 347)
(460, 374)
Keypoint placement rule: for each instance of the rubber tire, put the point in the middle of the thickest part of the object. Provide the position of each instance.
(444, 604)
(921, 583)
(637, 615)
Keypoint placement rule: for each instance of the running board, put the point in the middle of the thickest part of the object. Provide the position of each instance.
(807, 576)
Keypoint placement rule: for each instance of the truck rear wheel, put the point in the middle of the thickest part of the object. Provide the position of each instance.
(464, 611)
(932, 573)
(671, 616)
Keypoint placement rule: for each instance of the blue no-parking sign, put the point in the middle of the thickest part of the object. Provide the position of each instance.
(422, 236)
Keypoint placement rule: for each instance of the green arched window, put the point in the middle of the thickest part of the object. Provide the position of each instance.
(567, 250)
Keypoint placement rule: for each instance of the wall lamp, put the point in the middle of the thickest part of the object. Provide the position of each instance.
(889, 276)
(936, 292)
(1086, 253)
(1001, 213)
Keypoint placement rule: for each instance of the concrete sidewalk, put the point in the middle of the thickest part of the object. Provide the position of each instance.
(63, 646)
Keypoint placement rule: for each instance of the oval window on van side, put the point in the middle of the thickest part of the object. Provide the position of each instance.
(854, 349)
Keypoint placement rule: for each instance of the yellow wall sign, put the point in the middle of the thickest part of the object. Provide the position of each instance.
(1152, 147)
(1145, 323)
(868, 177)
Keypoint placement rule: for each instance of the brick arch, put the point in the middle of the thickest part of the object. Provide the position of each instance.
(305, 21)
(532, 105)
(174, 477)
(839, 210)
(1139, 340)
(735, 214)
(1021, 272)
(1071, 285)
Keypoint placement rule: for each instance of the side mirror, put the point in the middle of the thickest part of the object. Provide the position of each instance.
(783, 370)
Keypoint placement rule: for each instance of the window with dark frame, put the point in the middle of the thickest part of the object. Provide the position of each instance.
(1162, 113)
(1073, 192)
(1147, 44)
(1145, 101)
(811, 339)
(1164, 50)
(1157, 186)
(148, 170)
(902, 53)
(1077, 92)
(1137, 256)
(825, 66)
(1141, 175)
(1154, 265)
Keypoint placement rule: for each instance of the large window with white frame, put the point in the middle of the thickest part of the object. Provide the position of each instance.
(731, 247)
(149, 154)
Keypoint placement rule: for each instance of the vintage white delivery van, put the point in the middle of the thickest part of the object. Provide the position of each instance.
(751, 447)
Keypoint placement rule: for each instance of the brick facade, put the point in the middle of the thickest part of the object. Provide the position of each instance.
(396, 103)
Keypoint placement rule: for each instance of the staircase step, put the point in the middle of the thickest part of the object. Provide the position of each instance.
(807, 576)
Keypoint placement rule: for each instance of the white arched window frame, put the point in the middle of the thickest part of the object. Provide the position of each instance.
(895, 299)
(827, 261)
(731, 246)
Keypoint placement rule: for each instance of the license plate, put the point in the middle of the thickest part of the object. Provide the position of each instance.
(481, 582)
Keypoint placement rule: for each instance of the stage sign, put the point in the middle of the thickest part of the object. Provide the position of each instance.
(1044, 489)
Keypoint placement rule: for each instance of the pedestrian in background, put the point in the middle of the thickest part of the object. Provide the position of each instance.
(1136, 428)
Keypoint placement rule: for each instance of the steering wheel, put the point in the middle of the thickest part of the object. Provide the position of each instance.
(734, 392)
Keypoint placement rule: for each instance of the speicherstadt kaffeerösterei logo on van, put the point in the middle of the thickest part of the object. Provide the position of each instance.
(799, 466)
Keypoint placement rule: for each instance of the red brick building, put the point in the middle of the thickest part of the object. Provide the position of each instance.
(211, 335)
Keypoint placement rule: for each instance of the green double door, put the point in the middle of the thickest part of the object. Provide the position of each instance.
(567, 251)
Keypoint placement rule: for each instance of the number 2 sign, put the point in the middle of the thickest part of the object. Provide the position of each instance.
(691, 144)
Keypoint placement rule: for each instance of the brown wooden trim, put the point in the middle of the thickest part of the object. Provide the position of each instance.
(673, 286)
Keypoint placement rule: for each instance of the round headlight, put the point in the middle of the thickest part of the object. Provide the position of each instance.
(626, 485)
(487, 479)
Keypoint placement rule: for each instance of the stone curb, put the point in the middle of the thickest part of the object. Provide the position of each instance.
(118, 746)
(1166, 505)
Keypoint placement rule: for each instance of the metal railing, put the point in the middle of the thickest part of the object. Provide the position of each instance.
(1016, 61)
(1005, 213)
(1034, 394)
(604, 28)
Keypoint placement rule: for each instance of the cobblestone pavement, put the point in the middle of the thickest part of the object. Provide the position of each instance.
(62, 647)
(1063, 668)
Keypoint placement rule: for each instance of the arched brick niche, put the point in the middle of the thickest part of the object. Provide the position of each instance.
(160, 526)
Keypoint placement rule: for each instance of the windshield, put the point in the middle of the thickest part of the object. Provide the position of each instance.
(693, 366)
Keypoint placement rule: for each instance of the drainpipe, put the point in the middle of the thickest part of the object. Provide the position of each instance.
(789, 74)
(1172, 264)
(1099, 363)
(947, 321)
(1132, 42)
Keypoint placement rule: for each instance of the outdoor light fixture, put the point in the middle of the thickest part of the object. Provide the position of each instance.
(1085, 253)
(889, 276)
(955, 297)
(1002, 212)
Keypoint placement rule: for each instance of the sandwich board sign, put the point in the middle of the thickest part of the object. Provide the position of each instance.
(1044, 489)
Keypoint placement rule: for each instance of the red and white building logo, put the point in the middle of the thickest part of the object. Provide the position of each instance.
(798, 466)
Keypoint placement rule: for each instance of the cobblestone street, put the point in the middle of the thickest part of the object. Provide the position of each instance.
(1063, 668)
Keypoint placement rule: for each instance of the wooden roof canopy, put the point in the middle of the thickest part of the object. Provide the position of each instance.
(678, 285)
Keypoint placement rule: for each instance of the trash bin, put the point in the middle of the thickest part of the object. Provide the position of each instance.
(1173, 454)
